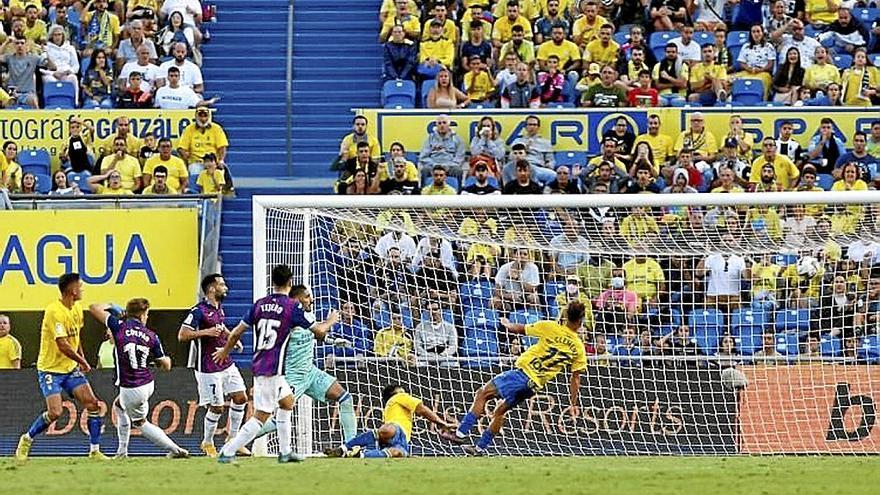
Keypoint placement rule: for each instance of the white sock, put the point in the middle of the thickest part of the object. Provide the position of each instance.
(282, 420)
(236, 414)
(211, 419)
(123, 429)
(156, 435)
(247, 433)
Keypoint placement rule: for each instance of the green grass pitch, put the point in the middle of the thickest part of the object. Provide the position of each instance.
(495, 475)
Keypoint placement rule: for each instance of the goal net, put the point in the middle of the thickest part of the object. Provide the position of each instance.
(717, 324)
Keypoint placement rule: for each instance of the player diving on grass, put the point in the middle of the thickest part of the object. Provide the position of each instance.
(273, 318)
(134, 346)
(392, 438)
(558, 347)
(305, 378)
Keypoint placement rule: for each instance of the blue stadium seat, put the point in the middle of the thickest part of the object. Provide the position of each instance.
(825, 181)
(747, 328)
(793, 320)
(59, 95)
(830, 346)
(471, 180)
(399, 94)
(737, 39)
(747, 92)
(569, 93)
(706, 326)
(659, 52)
(35, 161)
(475, 295)
(551, 290)
(875, 59)
(483, 346)
(867, 16)
(79, 178)
(481, 319)
(571, 158)
(842, 60)
(785, 259)
(427, 86)
(705, 318)
(382, 319)
(44, 183)
(621, 37)
(192, 185)
(560, 104)
(452, 181)
(704, 37)
(788, 344)
(748, 318)
(869, 349)
(659, 39)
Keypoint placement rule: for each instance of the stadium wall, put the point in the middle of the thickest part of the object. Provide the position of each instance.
(580, 130)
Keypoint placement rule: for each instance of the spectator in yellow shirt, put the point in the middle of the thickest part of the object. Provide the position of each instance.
(786, 171)
(439, 185)
(348, 146)
(405, 19)
(211, 179)
(201, 138)
(10, 348)
(698, 139)
(661, 144)
(819, 75)
(638, 226)
(160, 182)
(568, 53)
(860, 81)
(100, 28)
(586, 27)
(820, 13)
(34, 28)
(527, 8)
(503, 30)
(128, 166)
(393, 340)
(645, 277)
(477, 82)
(603, 50)
(113, 187)
(448, 27)
(436, 52)
(708, 80)
(176, 173)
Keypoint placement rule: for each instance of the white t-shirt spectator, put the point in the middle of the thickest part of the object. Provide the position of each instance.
(405, 244)
(170, 6)
(859, 249)
(529, 275)
(190, 74)
(724, 275)
(149, 73)
(689, 52)
(442, 249)
(179, 98)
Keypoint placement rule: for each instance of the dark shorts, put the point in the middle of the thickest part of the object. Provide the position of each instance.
(55, 383)
(514, 387)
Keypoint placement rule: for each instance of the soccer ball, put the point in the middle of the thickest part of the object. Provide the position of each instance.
(808, 266)
(733, 379)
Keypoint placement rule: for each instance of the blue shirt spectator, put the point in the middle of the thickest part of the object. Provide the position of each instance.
(400, 56)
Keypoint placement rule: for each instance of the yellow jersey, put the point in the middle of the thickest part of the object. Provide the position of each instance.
(128, 167)
(442, 50)
(565, 51)
(132, 145)
(587, 32)
(479, 87)
(58, 322)
(558, 347)
(819, 76)
(178, 175)
(401, 410)
(200, 141)
(765, 278)
(596, 52)
(450, 31)
(503, 29)
(818, 12)
(633, 228)
(661, 146)
(785, 170)
(10, 350)
(106, 191)
(527, 9)
(209, 186)
(389, 340)
(35, 33)
(702, 70)
(350, 143)
(644, 278)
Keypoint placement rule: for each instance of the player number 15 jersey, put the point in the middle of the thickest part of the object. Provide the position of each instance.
(272, 318)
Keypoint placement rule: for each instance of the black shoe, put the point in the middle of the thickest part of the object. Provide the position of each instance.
(334, 452)
(473, 451)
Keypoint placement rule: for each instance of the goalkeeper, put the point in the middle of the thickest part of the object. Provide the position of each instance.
(305, 378)
(558, 347)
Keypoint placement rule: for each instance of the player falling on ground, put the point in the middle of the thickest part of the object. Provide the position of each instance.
(558, 347)
(205, 330)
(305, 378)
(134, 346)
(392, 438)
(60, 367)
(273, 318)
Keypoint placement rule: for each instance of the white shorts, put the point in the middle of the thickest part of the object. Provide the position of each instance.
(135, 401)
(214, 387)
(268, 390)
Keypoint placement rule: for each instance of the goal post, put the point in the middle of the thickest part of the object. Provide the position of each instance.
(718, 324)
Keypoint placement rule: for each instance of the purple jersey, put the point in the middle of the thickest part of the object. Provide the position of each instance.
(135, 344)
(272, 318)
(202, 316)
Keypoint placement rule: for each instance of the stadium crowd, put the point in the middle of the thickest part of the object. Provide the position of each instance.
(125, 55)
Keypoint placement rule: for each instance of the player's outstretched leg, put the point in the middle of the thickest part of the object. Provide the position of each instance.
(346, 409)
(158, 437)
(477, 410)
(52, 391)
(123, 430)
(367, 440)
(85, 396)
(489, 434)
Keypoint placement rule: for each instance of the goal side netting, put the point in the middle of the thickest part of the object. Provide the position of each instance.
(717, 324)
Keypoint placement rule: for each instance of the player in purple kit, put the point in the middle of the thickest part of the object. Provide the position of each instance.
(135, 345)
(205, 330)
(273, 317)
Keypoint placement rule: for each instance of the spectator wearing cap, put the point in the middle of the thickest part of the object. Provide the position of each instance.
(128, 47)
(728, 158)
(177, 96)
(591, 75)
(477, 82)
(160, 183)
(64, 56)
(408, 22)
(539, 151)
(552, 18)
(523, 183)
(477, 44)
(785, 172)
(521, 93)
(440, 17)
(399, 182)
(438, 185)
(113, 187)
(190, 74)
(200, 138)
(399, 56)
(435, 52)
(176, 174)
(133, 95)
(481, 184)
(211, 179)
(442, 147)
(142, 64)
(519, 46)
(564, 183)
(698, 139)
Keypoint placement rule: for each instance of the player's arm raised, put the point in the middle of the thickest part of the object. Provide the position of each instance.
(517, 328)
(429, 414)
(322, 328)
(221, 354)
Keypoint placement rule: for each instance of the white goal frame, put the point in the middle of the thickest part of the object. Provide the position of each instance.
(309, 203)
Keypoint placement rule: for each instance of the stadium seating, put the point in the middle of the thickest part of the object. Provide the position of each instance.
(427, 86)
(747, 329)
(399, 94)
(869, 349)
(830, 346)
(866, 16)
(706, 326)
(571, 158)
(793, 320)
(475, 294)
(787, 344)
(747, 92)
(825, 181)
(842, 60)
(471, 180)
(59, 95)
(659, 39)
(35, 161)
(44, 183)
